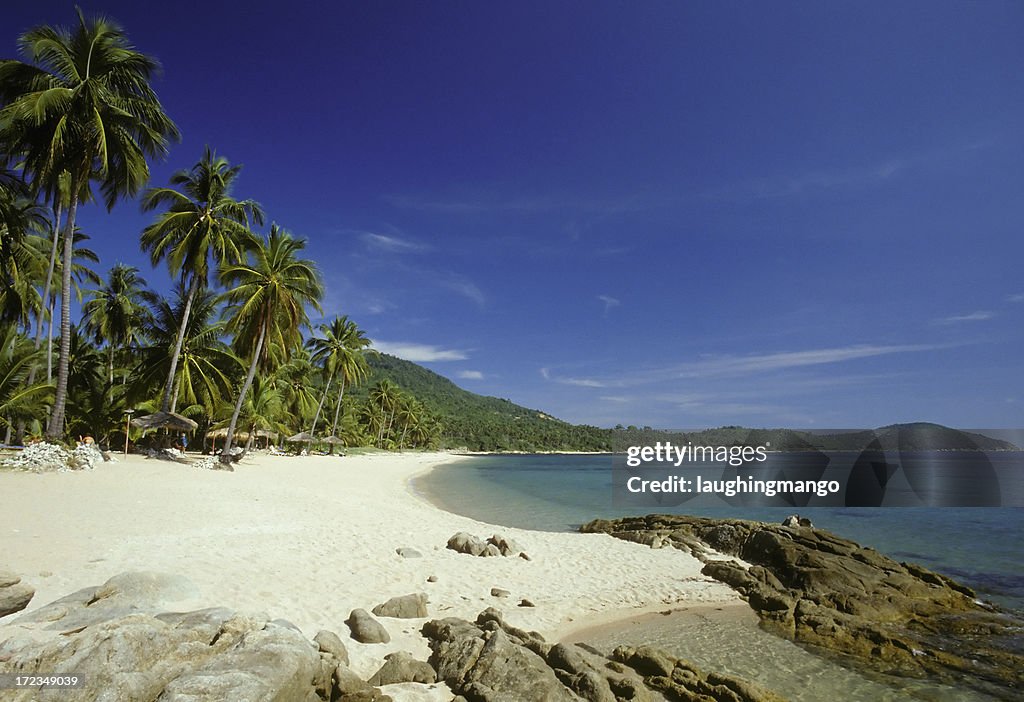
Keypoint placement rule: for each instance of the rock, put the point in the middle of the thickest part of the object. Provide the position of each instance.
(431, 578)
(40, 457)
(462, 542)
(14, 594)
(274, 663)
(199, 656)
(405, 607)
(331, 643)
(830, 593)
(498, 592)
(490, 665)
(524, 556)
(490, 660)
(401, 667)
(366, 629)
(497, 545)
(346, 682)
(680, 679)
(505, 545)
(406, 552)
(121, 595)
(526, 603)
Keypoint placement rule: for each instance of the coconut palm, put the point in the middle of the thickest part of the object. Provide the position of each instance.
(203, 226)
(340, 353)
(19, 402)
(269, 295)
(206, 364)
(116, 313)
(81, 109)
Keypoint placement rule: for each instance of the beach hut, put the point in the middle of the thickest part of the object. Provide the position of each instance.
(164, 420)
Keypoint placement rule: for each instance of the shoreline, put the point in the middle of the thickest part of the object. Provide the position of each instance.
(308, 539)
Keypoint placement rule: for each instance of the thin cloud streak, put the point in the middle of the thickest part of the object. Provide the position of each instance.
(418, 353)
(470, 375)
(392, 244)
(979, 316)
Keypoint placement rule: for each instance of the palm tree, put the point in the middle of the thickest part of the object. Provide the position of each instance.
(20, 218)
(269, 297)
(115, 313)
(340, 351)
(203, 224)
(81, 109)
(206, 364)
(19, 402)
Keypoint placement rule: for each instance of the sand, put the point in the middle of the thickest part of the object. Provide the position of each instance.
(308, 539)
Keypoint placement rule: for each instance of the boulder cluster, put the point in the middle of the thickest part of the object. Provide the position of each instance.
(43, 457)
(833, 595)
(496, 545)
(491, 660)
(120, 640)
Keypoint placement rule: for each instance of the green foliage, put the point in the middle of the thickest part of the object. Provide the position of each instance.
(480, 423)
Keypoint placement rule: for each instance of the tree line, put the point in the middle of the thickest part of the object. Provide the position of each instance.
(80, 123)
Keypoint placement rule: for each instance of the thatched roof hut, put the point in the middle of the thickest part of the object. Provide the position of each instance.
(164, 420)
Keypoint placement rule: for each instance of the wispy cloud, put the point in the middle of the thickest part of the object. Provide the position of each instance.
(473, 204)
(470, 375)
(609, 302)
(393, 244)
(979, 316)
(419, 353)
(716, 367)
(1019, 297)
(466, 288)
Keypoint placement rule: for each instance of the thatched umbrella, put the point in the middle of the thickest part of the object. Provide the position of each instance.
(164, 420)
(334, 440)
(217, 433)
(303, 436)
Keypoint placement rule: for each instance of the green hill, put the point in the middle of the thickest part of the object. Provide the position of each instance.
(482, 423)
(478, 422)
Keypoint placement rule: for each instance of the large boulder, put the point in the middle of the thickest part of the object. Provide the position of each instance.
(831, 593)
(121, 595)
(206, 655)
(401, 667)
(412, 606)
(366, 629)
(14, 594)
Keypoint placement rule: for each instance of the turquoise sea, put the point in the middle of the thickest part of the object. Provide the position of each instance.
(979, 546)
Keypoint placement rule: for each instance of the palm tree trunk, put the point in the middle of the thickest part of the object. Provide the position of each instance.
(49, 279)
(337, 410)
(169, 388)
(320, 406)
(56, 426)
(225, 456)
(45, 305)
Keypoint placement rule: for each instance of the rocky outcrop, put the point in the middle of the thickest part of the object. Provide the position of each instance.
(412, 606)
(496, 545)
(111, 638)
(490, 661)
(14, 594)
(832, 594)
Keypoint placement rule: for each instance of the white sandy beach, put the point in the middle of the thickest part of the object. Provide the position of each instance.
(309, 539)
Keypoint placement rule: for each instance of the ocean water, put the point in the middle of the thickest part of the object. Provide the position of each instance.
(979, 546)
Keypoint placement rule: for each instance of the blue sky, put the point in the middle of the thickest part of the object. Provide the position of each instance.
(664, 213)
